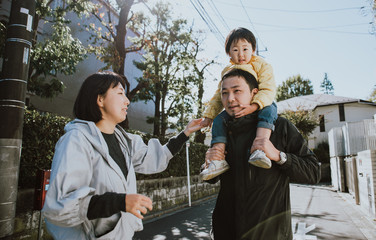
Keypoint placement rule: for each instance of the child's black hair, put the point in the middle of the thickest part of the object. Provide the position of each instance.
(240, 33)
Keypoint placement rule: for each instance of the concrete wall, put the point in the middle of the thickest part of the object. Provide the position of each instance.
(366, 165)
(337, 173)
(167, 194)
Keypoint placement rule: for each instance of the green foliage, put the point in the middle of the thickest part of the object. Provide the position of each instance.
(293, 87)
(372, 9)
(41, 131)
(372, 96)
(322, 152)
(59, 53)
(168, 68)
(56, 51)
(107, 37)
(178, 164)
(327, 86)
(305, 121)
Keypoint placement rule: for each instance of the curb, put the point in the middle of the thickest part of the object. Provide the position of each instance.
(164, 213)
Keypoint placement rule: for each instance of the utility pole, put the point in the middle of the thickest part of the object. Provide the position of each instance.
(12, 105)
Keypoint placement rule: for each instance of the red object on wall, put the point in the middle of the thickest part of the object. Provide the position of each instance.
(41, 186)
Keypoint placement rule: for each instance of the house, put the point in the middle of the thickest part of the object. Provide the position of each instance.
(334, 111)
(63, 103)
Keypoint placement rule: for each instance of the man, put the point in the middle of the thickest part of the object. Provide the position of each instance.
(254, 203)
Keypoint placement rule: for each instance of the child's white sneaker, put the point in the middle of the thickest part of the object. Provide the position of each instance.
(215, 168)
(259, 159)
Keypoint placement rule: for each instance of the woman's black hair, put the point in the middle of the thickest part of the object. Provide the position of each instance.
(240, 33)
(249, 78)
(97, 84)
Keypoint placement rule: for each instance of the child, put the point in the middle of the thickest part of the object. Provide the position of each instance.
(240, 46)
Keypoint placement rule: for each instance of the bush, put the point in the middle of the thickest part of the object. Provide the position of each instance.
(322, 152)
(178, 165)
(305, 121)
(41, 131)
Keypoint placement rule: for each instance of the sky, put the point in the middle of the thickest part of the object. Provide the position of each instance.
(306, 37)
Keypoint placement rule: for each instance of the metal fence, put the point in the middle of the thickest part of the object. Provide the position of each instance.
(352, 138)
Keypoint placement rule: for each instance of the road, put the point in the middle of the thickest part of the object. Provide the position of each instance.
(318, 213)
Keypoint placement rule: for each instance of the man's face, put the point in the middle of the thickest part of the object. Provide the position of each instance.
(235, 92)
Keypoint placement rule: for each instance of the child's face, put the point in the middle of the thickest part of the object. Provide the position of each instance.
(241, 51)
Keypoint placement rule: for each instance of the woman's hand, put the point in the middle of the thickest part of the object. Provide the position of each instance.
(207, 122)
(193, 126)
(137, 204)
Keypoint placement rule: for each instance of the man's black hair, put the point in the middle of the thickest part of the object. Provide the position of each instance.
(249, 78)
(97, 84)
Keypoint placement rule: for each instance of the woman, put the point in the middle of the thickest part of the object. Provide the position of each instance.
(92, 193)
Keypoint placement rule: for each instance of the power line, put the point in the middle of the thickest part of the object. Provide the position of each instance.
(294, 28)
(215, 9)
(209, 22)
(249, 19)
(297, 28)
(292, 11)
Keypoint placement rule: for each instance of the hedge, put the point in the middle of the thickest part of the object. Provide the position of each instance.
(41, 131)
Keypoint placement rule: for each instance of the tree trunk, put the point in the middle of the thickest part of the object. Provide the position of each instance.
(121, 33)
(157, 112)
(200, 136)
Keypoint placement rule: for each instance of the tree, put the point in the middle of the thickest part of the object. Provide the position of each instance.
(199, 67)
(108, 38)
(56, 53)
(372, 9)
(167, 67)
(294, 86)
(326, 85)
(372, 96)
(305, 121)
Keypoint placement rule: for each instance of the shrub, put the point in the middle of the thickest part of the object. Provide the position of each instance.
(305, 121)
(178, 165)
(41, 131)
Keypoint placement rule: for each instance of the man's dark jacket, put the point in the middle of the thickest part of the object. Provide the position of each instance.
(254, 203)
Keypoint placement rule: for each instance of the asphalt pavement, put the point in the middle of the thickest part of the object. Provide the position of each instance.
(318, 212)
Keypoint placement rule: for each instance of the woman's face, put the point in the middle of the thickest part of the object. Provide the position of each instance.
(114, 104)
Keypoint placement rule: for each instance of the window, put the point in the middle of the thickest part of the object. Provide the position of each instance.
(341, 108)
(322, 123)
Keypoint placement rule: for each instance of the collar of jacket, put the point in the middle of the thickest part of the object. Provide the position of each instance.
(242, 124)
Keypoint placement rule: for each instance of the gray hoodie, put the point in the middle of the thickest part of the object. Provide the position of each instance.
(82, 167)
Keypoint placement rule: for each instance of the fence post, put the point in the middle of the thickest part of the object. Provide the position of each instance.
(188, 173)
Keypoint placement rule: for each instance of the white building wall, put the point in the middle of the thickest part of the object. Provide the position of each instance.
(353, 112)
(356, 112)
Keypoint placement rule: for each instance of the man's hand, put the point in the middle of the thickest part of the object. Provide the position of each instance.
(137, 204)
(214, 153)
(193, 126)
(246, 109)
(267, 146)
